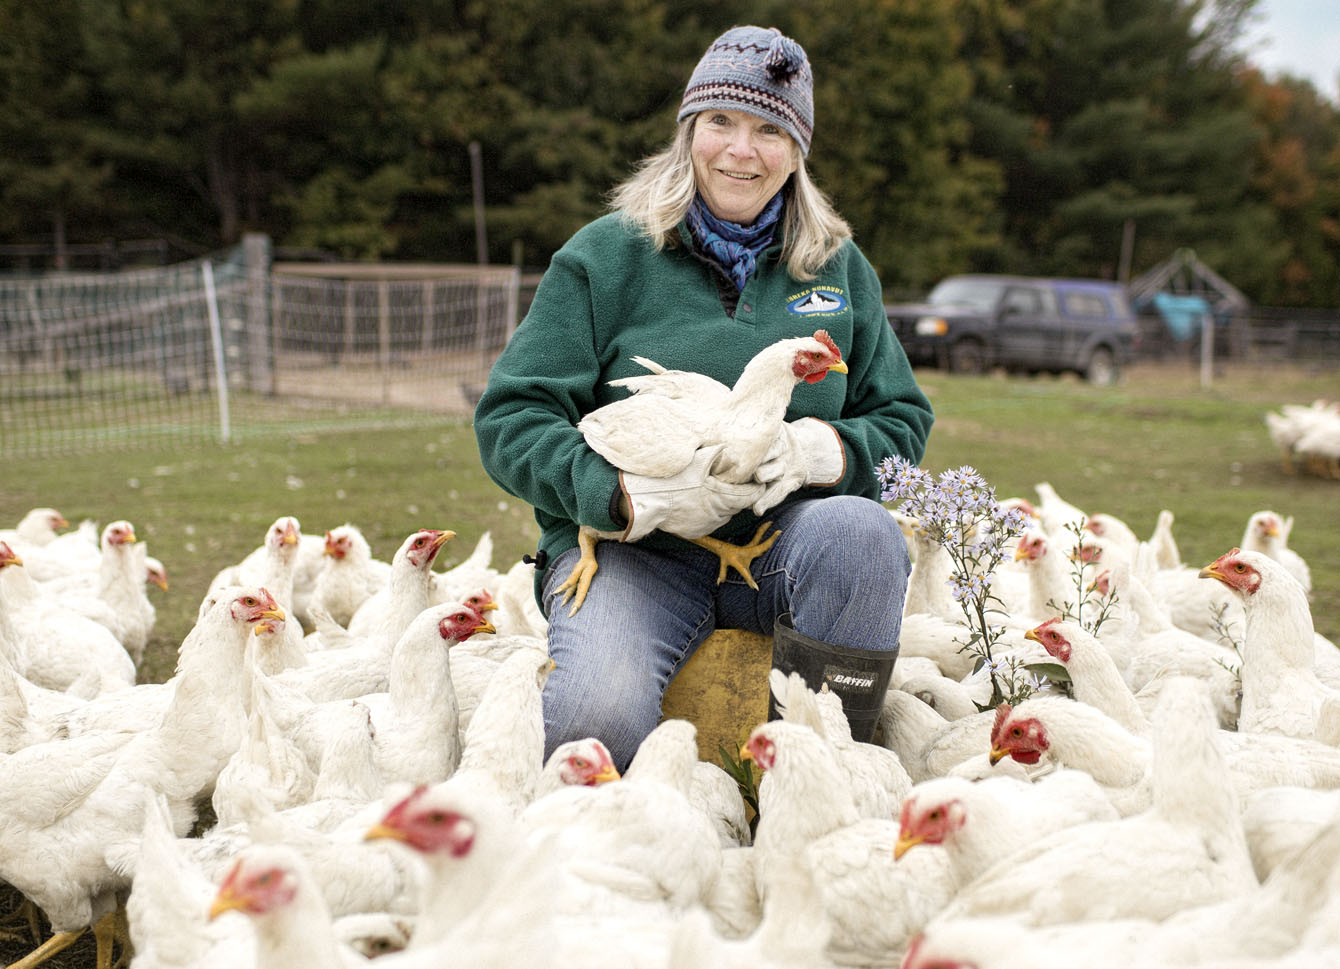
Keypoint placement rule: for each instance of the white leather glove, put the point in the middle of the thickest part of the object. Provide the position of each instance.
(805, 452)
(690, 504)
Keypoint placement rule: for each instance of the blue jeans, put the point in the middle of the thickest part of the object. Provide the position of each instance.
(839, 567)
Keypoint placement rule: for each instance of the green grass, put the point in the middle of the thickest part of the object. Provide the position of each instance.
(1157, 440)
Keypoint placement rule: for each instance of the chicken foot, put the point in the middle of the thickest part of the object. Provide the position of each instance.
(57, 943)
(738, 557)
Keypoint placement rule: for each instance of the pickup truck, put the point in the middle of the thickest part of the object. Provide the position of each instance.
(1024, 324)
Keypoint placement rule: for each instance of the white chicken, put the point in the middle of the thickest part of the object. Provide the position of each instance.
(59, 840)
(349, 574)
(1307, 436)
(806, 809)
(673, 414)
(59, 649)
(38, 526)
(1281, 692)
(293, 928)
(115, 596)
(362, 665)
(1187, 849)
(1268, 532)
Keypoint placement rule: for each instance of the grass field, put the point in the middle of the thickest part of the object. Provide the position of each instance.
(1157, 440)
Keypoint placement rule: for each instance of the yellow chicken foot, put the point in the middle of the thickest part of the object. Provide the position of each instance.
(110, 930)
(53, 945)
(579, 579)
(738, 557)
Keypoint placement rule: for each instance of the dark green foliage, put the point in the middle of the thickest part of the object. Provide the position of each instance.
(1005, 135)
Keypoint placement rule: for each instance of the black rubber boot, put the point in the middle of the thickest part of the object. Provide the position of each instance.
(859, 676)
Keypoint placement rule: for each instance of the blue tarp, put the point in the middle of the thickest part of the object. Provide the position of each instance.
(1184, 315)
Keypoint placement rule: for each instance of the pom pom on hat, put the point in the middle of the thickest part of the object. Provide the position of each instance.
(760, 71)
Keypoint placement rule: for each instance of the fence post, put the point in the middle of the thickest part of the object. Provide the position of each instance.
(216, 342)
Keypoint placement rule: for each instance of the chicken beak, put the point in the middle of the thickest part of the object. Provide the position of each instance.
(607, 773)
(442, 538)
(839, 367)
(997, 755)
(11, 559)
(1020, 553)
(488, 607)
(273, 613)
(383, 830)
(485, 627)
(906, 843)
(1210, 572)
(226, 901)
(1033, 635)
(160, 581)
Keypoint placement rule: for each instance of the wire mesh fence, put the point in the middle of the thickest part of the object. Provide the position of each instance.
(232, 347)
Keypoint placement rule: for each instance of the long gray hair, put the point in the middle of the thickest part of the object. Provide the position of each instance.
(658, 194)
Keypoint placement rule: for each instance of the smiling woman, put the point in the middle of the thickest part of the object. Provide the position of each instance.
(719, 248)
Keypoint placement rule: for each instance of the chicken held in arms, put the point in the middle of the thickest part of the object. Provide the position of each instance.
(680, 430)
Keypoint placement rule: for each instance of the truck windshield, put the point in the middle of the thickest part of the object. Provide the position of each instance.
(979, 294)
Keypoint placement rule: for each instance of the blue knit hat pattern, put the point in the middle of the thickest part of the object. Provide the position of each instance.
(760, 71)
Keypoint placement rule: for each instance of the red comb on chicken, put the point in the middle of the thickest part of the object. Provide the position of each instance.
(463, 624)
(1051, 638)
(812, 365)
(1024, 739)
(253, 607)
(1234, 571)
(928, 823)
(426, 827)
(481, 601)
(254, 889)
(589, 766)
(1031, 546)
(760, 749)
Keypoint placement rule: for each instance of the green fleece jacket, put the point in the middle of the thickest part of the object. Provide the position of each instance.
(609, 295)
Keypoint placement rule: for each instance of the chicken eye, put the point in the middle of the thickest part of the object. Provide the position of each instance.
(1016, 732)
(934, 815)
(266, 878)
(581, 763)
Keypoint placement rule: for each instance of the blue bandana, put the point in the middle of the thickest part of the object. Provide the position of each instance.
(735, 248)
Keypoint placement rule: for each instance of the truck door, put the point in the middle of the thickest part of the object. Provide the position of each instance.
(1028, 327)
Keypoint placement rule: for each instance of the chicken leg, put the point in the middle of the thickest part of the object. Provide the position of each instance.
(738, 557)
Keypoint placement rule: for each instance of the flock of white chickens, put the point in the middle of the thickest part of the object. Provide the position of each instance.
(348, 765)
(1308, 437)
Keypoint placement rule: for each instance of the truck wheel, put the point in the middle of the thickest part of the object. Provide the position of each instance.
(1101, 370)
(967, 356)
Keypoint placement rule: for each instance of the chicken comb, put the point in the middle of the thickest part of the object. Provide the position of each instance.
(397, 813)
(823, 337)
(1002, 714)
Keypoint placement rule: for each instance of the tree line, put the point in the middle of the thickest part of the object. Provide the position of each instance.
(1078, 137)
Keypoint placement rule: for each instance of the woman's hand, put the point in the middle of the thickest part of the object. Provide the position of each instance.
(690, 504)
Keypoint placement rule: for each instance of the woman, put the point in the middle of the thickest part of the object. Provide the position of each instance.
(717, 247)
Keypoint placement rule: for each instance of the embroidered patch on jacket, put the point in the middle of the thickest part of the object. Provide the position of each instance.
(818, 301)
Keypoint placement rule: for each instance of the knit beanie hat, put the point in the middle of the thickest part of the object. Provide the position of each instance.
(760, 71)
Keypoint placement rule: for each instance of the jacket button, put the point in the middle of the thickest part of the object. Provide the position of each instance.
(746, 307)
